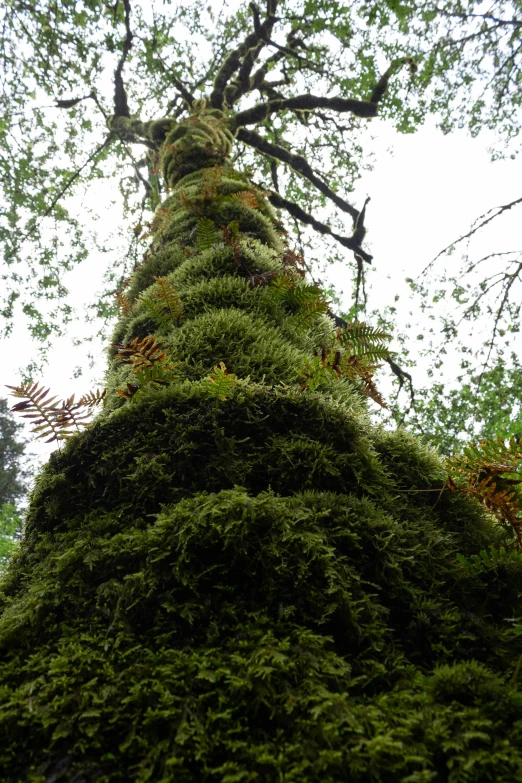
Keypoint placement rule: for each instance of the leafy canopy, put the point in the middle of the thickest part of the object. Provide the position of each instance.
(62, 62)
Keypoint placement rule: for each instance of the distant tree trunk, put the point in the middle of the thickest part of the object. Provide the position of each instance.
(241, 579)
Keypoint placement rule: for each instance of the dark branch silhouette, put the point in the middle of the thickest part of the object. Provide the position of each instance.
(262, 111)
(298, 164)
(251, 46)
(121, 105)
(296, 211)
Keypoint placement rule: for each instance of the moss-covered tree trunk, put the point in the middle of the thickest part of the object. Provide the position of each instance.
(241, 579)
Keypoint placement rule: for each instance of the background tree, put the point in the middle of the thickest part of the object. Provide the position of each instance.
(231, 573)
(13, 482)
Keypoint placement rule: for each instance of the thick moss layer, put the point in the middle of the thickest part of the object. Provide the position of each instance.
(258, 588)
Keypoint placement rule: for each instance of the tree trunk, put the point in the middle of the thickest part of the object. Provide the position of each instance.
(240, 578)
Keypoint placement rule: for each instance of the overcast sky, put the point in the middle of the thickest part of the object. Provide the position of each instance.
(424, 194)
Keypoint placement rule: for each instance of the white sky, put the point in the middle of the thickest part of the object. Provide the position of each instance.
(423, 196)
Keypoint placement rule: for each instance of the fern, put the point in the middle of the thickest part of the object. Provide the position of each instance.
(59, 420)
(163, 304)
(363, 341)
(124, 303)
(220, 381)
(231, 237)
(305, 301)
(491, 472)
(333, 362)
(150, 364)
(94, 398)
(141, 352)
(207, 234)
(489, 559)
(247, 198)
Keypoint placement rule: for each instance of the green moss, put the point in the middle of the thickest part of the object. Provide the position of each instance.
(263, 587)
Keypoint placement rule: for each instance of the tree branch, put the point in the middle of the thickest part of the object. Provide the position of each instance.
(297, 212)
(262, 111)
(121, 106)
(298, 164)
(479, 223)
(63, 190)
(254, 42)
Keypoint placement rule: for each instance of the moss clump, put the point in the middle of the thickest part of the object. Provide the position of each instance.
(257, 585)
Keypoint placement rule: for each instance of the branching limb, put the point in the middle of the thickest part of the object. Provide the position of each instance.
(253, 42)
(121, 106)
(298, 164)
(479, 223)
(262, 111)
(297, 212)
(364, 109)
(509, 280)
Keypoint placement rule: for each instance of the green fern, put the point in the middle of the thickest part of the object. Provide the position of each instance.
(220, 382)
(336, 363)
(364, 342)
(304, 302)
(490, 559)
(207, 234)
(163, 304)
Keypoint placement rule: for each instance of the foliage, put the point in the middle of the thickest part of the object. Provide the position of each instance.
(485, 405)
(163, 304)
(356, 348)
(149, 363)
(438, 57)
(60, 420)
(220, 382)
(12, 474)
(10, 527)
(491, 471)
(228, 580)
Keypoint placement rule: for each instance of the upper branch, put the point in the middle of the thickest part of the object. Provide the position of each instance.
(253, 43)
(245, 82)
(298, 164)
(296, 211)
(365, 109)
(121, 106)
(262, 111)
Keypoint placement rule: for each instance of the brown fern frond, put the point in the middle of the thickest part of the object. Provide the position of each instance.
(93, 398)
(364, 372)
(68, 415)
(141, 352)
(124, 304)
(43, 412)
(129, 392)
(48, 416)
(247, 198)
(231, 239)
(294, 262)
(491, 472)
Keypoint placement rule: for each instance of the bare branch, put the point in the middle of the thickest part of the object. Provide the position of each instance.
(262, 111)
(297, 212)
(479, 223)
(510, 280)
(298, 164)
